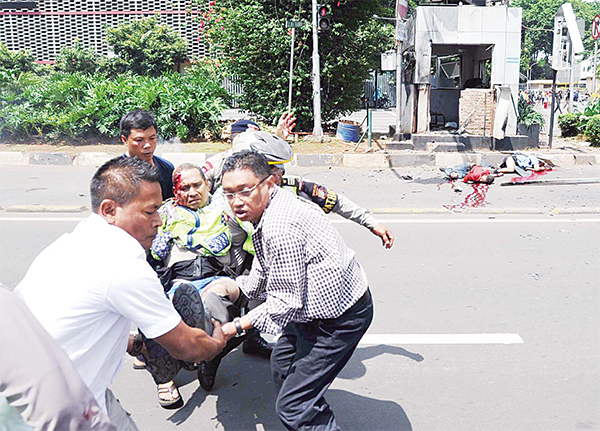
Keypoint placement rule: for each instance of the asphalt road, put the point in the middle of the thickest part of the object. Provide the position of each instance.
(410, 187)
(481, 322)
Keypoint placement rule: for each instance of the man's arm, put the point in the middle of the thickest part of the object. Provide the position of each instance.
(253, 284)
(328, 200)
(212, 169)
(193, 344)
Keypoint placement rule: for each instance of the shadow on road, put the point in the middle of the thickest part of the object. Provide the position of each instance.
(246, 398)
(356, 367)
(357, 413)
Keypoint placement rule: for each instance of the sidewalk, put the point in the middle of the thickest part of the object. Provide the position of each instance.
(561, 157)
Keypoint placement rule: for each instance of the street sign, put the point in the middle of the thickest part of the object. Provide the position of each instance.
(596, 27)
(294, 24)
(401, 8)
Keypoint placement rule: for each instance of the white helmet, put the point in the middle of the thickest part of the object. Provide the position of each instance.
(276, 150)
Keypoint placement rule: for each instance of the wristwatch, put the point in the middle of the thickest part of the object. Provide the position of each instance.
(238, 326)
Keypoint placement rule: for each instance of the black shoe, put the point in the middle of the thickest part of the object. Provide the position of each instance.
(207, 373)
(256, 345)
(188, 304)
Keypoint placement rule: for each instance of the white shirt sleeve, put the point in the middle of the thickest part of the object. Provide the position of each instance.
(138, 295)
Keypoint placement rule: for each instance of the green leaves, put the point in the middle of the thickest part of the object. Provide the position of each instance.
(145, 47)
(569, 124)
(15, 60)
(592, 130)
(77, 104)
(538, 22)
(254, 45)
(528, 115)
(77, 59)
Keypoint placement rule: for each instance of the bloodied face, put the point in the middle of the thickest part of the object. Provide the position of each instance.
(190, 189)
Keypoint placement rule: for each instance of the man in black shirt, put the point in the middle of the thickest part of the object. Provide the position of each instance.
(139, 133)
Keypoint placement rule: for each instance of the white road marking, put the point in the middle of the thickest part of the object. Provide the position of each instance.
(338, 221)
(475, 220)
(42, 219)
(403, 339)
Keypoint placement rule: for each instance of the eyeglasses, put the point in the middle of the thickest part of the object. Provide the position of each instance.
(243, 194)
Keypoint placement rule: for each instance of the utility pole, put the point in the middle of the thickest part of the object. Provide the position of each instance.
(594, 90)
(291, 71)
(398, 80)
(401, 12)
(571, 80)
(317, 129)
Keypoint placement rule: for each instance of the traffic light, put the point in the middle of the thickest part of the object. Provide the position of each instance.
(325, 19)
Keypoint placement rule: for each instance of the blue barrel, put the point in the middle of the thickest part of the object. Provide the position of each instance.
(348, 132)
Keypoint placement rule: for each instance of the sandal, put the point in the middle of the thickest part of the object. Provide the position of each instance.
(139, 363)
(171, 390)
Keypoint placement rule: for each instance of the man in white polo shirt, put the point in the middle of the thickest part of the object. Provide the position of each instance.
(90, 285)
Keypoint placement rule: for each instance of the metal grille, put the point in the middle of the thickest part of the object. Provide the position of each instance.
(57, 23)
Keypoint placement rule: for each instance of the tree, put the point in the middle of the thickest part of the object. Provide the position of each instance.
(248, 39)
(145, 47)
(538, 24)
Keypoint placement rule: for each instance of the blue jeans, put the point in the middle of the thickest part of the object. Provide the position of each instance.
(198, 284)
(306, 360)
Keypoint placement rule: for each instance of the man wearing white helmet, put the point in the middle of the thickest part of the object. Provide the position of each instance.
(278, 151)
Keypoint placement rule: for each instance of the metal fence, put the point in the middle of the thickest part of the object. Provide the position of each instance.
(380, 94)
(384, 93)
(234, 88)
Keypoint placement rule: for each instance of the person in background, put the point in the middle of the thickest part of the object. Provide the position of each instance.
(139, 133)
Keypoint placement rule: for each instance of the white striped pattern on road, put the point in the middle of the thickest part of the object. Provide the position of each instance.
(338, 221)
(448, 339)
(403, 339)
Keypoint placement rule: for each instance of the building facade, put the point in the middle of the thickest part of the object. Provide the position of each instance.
(53, 24)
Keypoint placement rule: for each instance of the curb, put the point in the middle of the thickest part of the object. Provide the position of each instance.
(376, 160)
(47, 208)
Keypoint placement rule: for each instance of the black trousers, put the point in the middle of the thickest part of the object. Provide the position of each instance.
(306, 360)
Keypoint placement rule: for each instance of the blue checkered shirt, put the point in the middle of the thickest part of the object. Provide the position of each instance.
(302, 269)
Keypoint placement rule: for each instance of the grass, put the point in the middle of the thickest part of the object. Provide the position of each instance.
(330, 145)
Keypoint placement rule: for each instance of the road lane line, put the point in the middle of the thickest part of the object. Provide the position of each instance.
(338, 221)
(42, 219)
(403, 339)
(446, 221)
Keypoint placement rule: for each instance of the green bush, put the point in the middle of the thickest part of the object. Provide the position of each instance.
(569, 124)
(145, 47)
(20, 61)
(77, 59)
(79, 104)
(592, 109)
(592, 130)
(528, 115)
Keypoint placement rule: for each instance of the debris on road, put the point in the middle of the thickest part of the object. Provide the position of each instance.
(554, 182)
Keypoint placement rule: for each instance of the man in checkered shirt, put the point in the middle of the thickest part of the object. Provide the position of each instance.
(315, 291)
